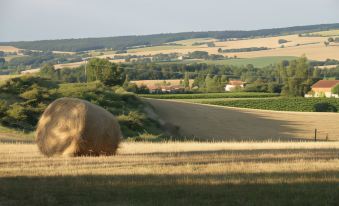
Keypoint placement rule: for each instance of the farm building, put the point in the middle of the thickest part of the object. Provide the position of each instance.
(233, 84)
(323, 88)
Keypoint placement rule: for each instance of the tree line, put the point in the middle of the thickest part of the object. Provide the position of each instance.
(290, 78)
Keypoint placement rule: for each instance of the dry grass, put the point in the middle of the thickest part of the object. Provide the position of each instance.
(312, 47)
(31, 71)
(63, 52)
(313, 51)
(224, 123)
(328, 67)
(175, 173)
(9, 49)
(69, 65)
(174, 158)
(270, 42)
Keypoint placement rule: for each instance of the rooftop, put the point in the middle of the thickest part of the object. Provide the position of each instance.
(325, 84)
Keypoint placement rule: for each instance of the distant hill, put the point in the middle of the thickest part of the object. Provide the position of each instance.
(123, 42)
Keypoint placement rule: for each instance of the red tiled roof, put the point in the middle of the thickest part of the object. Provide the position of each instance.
(325, 84)
(153, 87)
(236, 82)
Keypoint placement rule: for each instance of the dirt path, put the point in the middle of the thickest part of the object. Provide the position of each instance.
(224, 123)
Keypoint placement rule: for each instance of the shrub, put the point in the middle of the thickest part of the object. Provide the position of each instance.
(22, 109)
(282, 41)
(256, 88)
(19, 85)
(324, 107)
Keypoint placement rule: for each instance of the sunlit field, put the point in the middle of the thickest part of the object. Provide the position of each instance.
(175, 173)
(313, 47)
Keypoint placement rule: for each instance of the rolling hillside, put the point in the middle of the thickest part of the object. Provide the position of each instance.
(222, 123)
(124, 42)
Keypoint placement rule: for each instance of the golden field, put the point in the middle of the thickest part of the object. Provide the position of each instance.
(175, 173)
(221, 123)
(312, 47)
(9, 49)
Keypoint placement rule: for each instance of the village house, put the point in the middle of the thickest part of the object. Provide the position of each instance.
(234, 84)
(323, 88)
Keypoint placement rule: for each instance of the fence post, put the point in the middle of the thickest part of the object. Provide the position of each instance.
(315, 134)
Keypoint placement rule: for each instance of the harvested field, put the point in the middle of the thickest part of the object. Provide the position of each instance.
(312, 51)
(9, 49)
(175, 173)
(30, 71)
(312, 47)
(69, 65)
(328, 67)
(225, 123)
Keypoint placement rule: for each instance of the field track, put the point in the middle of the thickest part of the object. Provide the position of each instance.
(224, 123)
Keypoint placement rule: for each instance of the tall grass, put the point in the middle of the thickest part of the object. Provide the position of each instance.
(175, 174)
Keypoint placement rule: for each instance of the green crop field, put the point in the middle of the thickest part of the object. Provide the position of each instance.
(284, 104)
(257, 62)
(211, 95)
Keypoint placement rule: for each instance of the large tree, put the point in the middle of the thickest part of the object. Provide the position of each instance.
(186, 81)
(102, 70)
(297, 77)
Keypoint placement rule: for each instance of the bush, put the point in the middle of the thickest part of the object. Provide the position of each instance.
(22, 109)
(324, 107)
(282, 41)
(19, 85)
(256, 88)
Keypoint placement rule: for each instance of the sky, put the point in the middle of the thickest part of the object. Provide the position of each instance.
(25, 20)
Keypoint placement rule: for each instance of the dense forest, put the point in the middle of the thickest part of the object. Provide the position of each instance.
(123, 42)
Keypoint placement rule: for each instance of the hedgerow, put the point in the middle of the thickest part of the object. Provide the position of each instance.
(211, 95)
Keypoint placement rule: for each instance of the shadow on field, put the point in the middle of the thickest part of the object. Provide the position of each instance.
(183, 189)
(256, 156)
(205, 122)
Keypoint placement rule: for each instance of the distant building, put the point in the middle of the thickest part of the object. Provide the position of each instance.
(233, 84)
(323, 88)
(30, 71)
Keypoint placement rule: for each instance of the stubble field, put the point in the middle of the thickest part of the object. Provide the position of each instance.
(175, 173)
(200, 121)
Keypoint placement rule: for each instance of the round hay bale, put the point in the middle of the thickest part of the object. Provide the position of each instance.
(75, 127)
